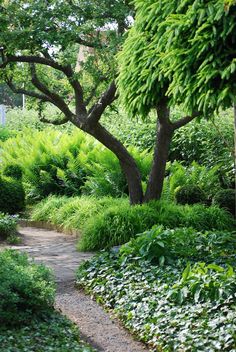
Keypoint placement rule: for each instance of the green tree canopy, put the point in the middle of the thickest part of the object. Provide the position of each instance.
(185, 50)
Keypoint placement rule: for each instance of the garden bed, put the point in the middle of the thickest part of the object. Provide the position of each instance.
(175, 289)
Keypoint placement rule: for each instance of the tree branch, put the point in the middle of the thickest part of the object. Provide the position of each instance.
(182, 122)
(106, 99)
(55, 98)
(54, 122)
(94, 89)
(67, 70)
(32, 59)
(30, 93)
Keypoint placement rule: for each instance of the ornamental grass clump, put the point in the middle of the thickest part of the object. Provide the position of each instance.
(118, 224)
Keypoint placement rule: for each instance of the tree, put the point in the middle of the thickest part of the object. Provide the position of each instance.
(39, 42)
(178, 52)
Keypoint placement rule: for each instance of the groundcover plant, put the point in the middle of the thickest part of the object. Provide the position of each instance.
(175, 289)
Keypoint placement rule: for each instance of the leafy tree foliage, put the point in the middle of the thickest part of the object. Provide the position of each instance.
(184, 50)
(8, 98)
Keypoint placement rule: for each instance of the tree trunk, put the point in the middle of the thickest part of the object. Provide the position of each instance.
(164, 135)
(127, 162)
(157, 175)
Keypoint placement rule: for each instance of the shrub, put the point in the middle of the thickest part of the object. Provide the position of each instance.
(71, 213)
(225, 198)
(107, 222)
(192, 176)
(12, 198)
(190, 194)
(203, 218)
(8, 225)
(13, 171)
(208, 144)
(26, 289)
(76, 214)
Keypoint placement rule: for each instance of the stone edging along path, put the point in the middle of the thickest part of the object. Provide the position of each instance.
(58, 251)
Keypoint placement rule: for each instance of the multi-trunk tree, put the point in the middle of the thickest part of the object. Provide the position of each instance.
(40, 40)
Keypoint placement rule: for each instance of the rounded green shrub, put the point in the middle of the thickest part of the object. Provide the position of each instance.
(12, 198)
(225, 198)
(13, 171)
(190, 194)
(26, 289)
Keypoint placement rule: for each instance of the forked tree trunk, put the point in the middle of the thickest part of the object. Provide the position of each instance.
(165, 131)
(127, 162)
(164, 135)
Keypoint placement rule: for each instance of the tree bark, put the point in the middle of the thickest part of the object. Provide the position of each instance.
(164, 135)
(127, 162)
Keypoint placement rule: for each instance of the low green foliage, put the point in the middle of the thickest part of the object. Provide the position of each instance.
(206, 179)
(71, 212)
(13, 171)
(108, 222)
(202, 282)
(26, 289)
(226, 198)
(67, 164)
(8, 226)
(190, 194)
(53, 333)
(5, 134)
(162, 245)
(12, 198)
(166, 287)
(116, 225)
(44, 210)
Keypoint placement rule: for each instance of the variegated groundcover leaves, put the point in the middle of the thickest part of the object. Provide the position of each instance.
(174, 288)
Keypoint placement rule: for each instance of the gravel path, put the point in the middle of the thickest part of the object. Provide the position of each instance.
(96, 326)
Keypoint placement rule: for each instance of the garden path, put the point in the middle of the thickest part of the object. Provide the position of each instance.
(96, 326)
